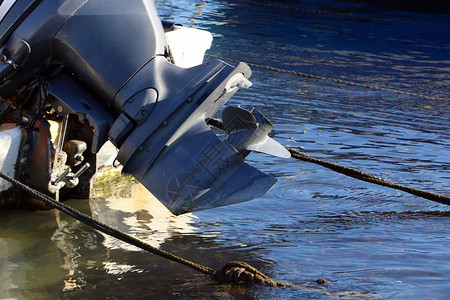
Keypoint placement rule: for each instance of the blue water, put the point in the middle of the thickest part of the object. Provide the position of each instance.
(367, 241)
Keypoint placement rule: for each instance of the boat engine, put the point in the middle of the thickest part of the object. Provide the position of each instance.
(112, 70)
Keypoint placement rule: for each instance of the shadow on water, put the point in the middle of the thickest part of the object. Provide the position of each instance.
(314, 223)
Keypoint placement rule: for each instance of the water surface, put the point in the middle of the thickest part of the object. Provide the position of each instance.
(367, 241)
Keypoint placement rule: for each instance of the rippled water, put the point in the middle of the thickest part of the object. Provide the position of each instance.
(367, 241)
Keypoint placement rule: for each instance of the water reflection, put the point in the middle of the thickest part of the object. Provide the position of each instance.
(27, 253)
(131, 208)
(78, 261)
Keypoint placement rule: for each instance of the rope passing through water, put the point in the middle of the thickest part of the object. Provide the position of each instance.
(336, 167)
(355, 173)
(233, 272)
(336, 80)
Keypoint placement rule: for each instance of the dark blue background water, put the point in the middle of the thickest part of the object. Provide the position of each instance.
(367, 241)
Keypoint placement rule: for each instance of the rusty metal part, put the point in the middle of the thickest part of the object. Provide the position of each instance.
(74, 150)
(81, 132)
(38, 160)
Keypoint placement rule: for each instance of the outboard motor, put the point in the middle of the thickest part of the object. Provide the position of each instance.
(104, 70)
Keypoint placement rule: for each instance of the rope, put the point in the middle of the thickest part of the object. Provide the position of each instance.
(233, 272)
(104, 227)
(369, 178)
(337, 80)
(241, 272)
(355, 173)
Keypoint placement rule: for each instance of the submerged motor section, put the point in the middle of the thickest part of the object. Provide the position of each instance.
(108, 66)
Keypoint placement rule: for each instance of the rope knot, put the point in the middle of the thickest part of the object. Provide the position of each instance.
(241, 272)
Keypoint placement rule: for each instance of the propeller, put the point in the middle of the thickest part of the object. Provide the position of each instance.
(248, 131)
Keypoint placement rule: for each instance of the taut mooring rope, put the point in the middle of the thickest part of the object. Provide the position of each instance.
(369, 178)
(355, 173)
